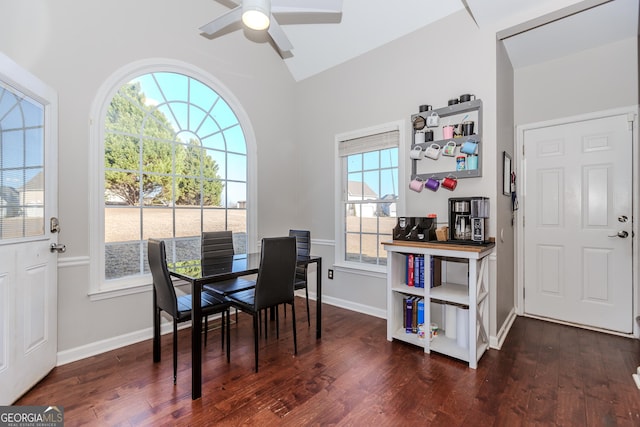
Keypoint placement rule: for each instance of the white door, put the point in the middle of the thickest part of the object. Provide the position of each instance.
(28, 201)
(578, 223)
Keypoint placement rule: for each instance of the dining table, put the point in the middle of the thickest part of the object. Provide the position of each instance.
(200, 272)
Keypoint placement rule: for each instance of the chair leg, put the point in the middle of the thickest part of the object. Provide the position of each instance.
(277, 321)
(222, 328)
(228, 314)
(306, 290)
(206, 329)
(175, 350)
(256, 315)
(293, 320)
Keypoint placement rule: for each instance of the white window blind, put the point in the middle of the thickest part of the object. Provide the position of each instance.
(378, 141)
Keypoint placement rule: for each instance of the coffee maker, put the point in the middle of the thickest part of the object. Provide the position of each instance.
(469, 220)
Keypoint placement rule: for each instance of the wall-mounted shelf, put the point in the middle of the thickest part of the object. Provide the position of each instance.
(444, 166)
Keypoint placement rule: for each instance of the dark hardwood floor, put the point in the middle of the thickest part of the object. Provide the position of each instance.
(546, 374)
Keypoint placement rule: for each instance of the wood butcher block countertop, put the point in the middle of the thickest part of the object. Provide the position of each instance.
(442, 246)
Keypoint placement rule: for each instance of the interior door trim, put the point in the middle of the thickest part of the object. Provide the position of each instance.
(520, 165)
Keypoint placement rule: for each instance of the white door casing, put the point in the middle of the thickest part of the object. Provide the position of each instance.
(576, 190)
(29, 199)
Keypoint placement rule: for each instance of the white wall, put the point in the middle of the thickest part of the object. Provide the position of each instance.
(596, 79)
(430, 66)
(74, 46)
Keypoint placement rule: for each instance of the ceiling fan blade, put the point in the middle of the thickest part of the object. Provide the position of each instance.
(222, 21)
(306, 6)
(278, 36)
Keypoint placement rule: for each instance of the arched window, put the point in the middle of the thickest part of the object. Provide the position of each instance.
(174, 164)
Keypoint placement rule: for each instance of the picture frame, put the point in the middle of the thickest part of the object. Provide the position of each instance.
(506, 174)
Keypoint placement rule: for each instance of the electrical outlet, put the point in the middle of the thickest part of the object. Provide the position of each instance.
(330, 274)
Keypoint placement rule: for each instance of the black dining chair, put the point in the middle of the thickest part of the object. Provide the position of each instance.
(273, 286)
(179, 307)
(216, 247)
(303, 248)
(215, 244)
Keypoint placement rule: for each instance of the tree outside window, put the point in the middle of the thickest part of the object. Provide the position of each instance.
(175, 164)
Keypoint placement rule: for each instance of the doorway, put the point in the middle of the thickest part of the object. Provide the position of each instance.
(28, 227)
(576, 223)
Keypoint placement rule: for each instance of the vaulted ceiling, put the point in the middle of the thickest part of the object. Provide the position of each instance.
(368, 24)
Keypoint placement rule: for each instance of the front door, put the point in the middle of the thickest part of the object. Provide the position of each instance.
(578, 223)
(28, 208)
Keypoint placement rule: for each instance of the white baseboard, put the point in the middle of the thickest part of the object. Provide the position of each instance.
(496, 342)
(98, 347)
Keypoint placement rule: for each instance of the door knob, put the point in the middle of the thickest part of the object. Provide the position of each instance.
(622, 234)
(55, 247)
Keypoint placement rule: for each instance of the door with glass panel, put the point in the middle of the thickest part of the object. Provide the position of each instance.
(28, 230)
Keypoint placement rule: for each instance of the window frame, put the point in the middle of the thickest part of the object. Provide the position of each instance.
(341, 190)
(99, 288)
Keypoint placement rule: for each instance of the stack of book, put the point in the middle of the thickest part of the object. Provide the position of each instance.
(413, 313)
(415, 271)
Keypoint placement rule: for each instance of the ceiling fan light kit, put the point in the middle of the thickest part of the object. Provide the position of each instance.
(255, 14)
(259, 15)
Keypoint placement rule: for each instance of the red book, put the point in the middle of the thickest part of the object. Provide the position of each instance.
(410, 270)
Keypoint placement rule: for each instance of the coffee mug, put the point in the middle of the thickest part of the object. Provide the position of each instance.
(472, 161)
(450, 183)
(467, 128)
(428, 135)
(433, 151)
(447, 132)
(469, 147)
(432, 184)
(424, 108)
(416, 184)
(449, 149)
(416, 152)
(432, 120)
(466, 97)
(419, 137)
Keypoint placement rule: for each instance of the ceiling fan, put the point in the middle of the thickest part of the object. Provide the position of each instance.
(261, 15)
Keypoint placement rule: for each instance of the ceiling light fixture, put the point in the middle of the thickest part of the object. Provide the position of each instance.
(255, 13)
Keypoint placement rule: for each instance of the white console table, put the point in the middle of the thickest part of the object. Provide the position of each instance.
(474, 295)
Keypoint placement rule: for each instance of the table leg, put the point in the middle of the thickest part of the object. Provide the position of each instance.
(156, 328)
(196, 341)
(319, 300)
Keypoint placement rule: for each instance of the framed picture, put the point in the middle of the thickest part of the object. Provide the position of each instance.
(506, 174)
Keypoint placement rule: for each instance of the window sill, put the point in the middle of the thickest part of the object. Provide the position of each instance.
(379, 271)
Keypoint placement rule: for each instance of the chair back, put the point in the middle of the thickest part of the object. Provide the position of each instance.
(274, 284)
(303, 248)
(165, 292)
(216, 244)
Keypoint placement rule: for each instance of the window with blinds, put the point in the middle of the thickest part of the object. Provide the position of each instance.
(369, 193)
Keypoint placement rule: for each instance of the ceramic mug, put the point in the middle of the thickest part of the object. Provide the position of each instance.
(433, 151)
(447, 132)
(432, 184)
(416, 184)
(449, 149)
(450, 183)
(432, 120)
(416, 152)
(469, 147)
(472, 161)
(420, 137)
